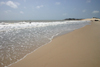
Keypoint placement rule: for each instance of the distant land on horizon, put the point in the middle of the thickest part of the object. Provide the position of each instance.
(45, 20)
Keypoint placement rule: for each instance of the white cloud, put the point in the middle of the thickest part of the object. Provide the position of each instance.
(95, 12)
(58, 3)
(39, 6)
(88, 1)
(10, 4)
(84, 11)
(7, 11)
(21, 12)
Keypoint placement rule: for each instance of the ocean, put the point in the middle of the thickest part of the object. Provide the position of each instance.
(18, 39)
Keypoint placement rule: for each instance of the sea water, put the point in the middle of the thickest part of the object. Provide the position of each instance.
(18, 39)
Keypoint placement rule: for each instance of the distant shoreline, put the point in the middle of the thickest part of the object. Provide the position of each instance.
(47, 20)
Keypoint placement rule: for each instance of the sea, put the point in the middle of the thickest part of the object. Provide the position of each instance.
(20, 38)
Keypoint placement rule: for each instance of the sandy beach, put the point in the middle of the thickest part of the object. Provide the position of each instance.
(79, 48)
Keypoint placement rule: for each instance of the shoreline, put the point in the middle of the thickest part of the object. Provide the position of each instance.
(37, 56)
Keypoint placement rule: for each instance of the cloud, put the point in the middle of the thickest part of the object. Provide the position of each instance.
(21, 12)
(11, 4)
(39, 6)
(95, 12)
(84, 11)
(88, 1)
(7, 11)
(57, 3)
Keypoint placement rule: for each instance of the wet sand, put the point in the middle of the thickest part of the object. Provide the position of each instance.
(79, 48)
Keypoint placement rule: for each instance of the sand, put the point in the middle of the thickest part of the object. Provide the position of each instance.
(79, 48)
(92, 19)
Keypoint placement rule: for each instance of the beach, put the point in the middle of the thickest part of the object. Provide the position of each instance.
(79, 48)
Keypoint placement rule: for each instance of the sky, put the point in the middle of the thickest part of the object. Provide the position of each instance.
(48, 9)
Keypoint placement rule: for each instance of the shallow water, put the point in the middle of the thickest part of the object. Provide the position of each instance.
(19, 39)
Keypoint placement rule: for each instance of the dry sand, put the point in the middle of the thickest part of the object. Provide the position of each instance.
(92, 19)
(80, 48)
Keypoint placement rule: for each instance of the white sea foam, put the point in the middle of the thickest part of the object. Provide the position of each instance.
(22, 25)
(17, 40)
